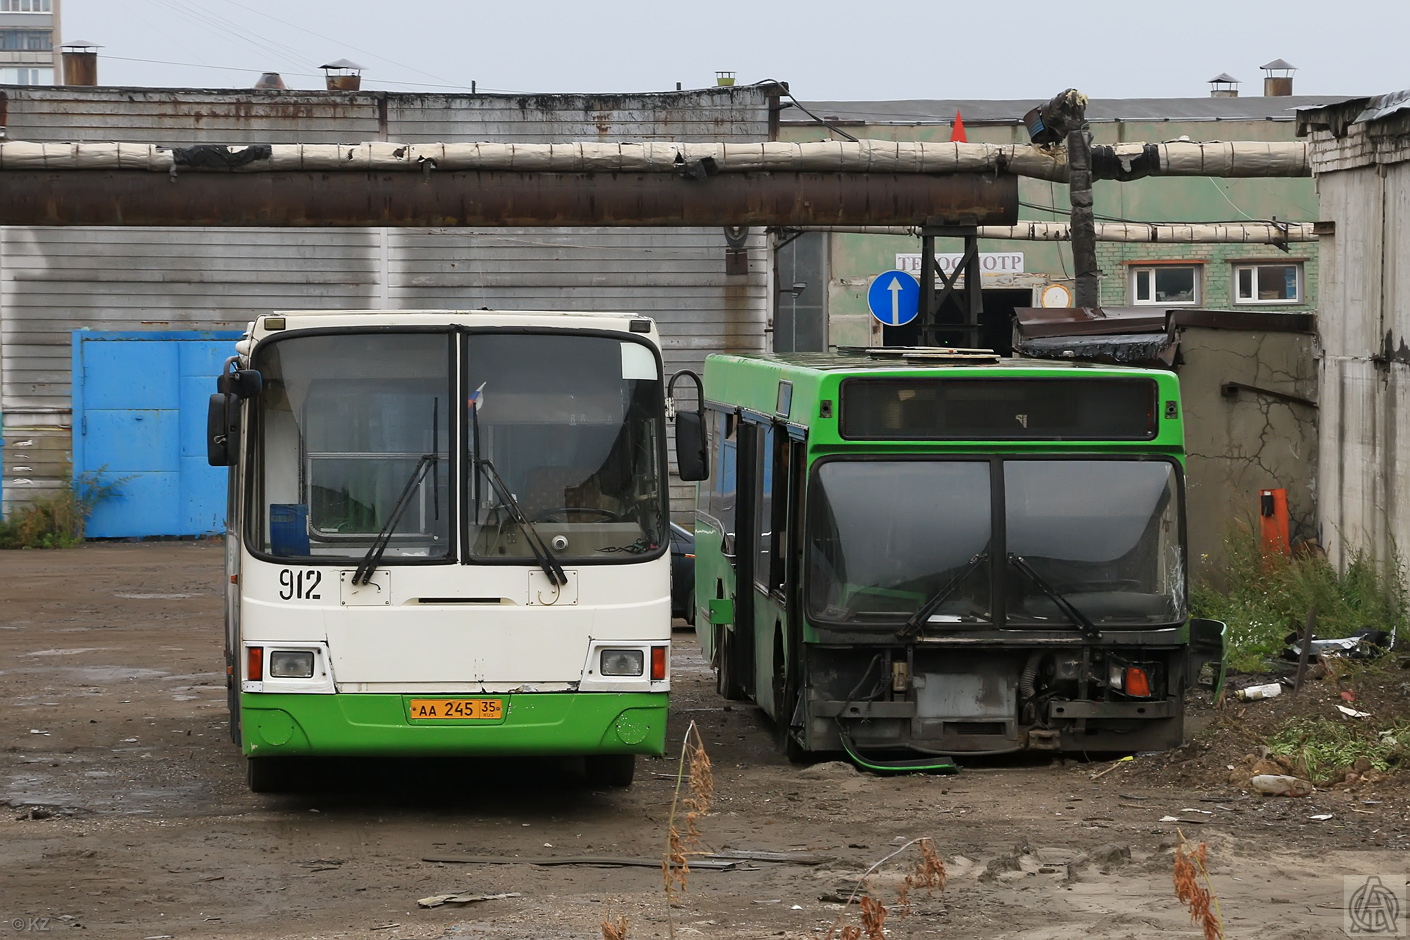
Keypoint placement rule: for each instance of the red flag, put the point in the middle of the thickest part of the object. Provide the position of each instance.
(957, 130)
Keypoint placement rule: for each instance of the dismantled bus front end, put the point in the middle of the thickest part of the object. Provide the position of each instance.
(948, 559)
(447, 536)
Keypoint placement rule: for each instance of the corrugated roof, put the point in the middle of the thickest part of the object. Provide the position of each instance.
(1099, 110)
(1384, 106)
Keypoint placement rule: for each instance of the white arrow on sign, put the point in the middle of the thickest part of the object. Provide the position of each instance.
(895, 289)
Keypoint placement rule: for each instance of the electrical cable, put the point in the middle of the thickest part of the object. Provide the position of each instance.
(799, 105)
(447, 83)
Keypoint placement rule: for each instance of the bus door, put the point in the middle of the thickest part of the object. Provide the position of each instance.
(777, 464)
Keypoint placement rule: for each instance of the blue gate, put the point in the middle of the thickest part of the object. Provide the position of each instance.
(139, 412)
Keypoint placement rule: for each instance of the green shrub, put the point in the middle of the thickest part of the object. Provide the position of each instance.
(1265, 599)
(58, 521)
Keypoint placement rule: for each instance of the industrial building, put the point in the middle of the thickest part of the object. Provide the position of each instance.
(1360, 153)
(110, 337)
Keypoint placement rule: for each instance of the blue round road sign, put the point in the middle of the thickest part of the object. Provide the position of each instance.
(894, 298)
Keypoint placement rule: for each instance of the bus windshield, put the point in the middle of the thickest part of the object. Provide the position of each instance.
(1103, 534)
(353, 440)
(368, 445)
(568, 423)
(884, 536)
(887, 538)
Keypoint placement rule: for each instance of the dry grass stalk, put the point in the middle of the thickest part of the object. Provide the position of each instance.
(873, 918)
(1200, 899)
(928, 872)
(614, 928)
(694, 776)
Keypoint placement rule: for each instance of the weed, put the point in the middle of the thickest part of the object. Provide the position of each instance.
(58, 521)
(1267, 597)
(614, 927)
(1327, 748)
(694, 776)
(1199, 898)
(927, 872)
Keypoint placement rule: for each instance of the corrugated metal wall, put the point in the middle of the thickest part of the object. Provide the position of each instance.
(54, 280)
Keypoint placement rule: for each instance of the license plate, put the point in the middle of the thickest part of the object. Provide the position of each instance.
(467, 709)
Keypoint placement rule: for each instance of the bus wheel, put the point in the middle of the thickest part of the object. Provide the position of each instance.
(727, 669)
(610, 770)
(269, 774)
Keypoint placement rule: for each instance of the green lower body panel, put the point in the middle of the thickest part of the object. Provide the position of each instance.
(537, 723)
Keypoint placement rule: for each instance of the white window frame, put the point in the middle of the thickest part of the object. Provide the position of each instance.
(1149, 271)
(1255, 266)
(26, 75)
(26, 6)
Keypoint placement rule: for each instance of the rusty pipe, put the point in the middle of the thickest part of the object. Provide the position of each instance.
(102, 197)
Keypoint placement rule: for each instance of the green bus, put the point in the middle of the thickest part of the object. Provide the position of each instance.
(908, 554)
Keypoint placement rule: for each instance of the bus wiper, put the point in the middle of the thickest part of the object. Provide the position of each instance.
(542, 554)
(370, 561)
(1089, 630)
(917, 621)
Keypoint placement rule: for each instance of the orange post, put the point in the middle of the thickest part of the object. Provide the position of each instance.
(1273, 521)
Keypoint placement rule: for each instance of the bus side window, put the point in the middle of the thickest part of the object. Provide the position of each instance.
(724, 449)
(764, 505)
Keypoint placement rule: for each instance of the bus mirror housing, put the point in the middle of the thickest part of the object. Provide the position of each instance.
(242, 383)
(690, 432)
(690, 447)
(222, 430)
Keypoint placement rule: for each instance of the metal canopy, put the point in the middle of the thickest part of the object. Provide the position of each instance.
(503, 198)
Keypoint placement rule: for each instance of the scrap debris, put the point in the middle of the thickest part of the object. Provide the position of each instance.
(437, 900)
(601, 861)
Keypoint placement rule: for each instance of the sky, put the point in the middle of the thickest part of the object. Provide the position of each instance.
(825, 49)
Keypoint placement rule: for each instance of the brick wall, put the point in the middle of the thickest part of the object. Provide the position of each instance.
(1216, 270)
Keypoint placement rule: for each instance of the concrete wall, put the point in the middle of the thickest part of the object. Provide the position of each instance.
(1240, 444)
(1364, 182)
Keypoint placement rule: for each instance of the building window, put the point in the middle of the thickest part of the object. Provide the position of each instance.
(26, 6)
(1165, 284)
(26, 76)
(1267, 283)
(26, 40)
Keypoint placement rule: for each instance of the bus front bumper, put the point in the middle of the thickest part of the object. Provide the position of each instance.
(537, 723)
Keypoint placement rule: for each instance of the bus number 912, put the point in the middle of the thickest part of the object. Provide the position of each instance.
(300, 585)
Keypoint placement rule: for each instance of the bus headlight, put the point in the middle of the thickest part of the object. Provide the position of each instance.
(622, 662)
(291, 664)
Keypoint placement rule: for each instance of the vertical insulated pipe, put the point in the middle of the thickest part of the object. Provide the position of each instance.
(1084, 230)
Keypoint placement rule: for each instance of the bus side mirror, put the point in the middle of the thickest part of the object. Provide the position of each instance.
(222, 430)
(242, 383)
(690, 431)
(690, 447)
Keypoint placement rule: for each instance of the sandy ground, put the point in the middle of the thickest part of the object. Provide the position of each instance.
(125, 812)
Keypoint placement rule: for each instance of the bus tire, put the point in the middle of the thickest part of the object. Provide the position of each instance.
(726, 672)
(269, 774)
(610, 770)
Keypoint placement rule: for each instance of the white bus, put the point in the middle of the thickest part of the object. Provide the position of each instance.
(447, 535)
